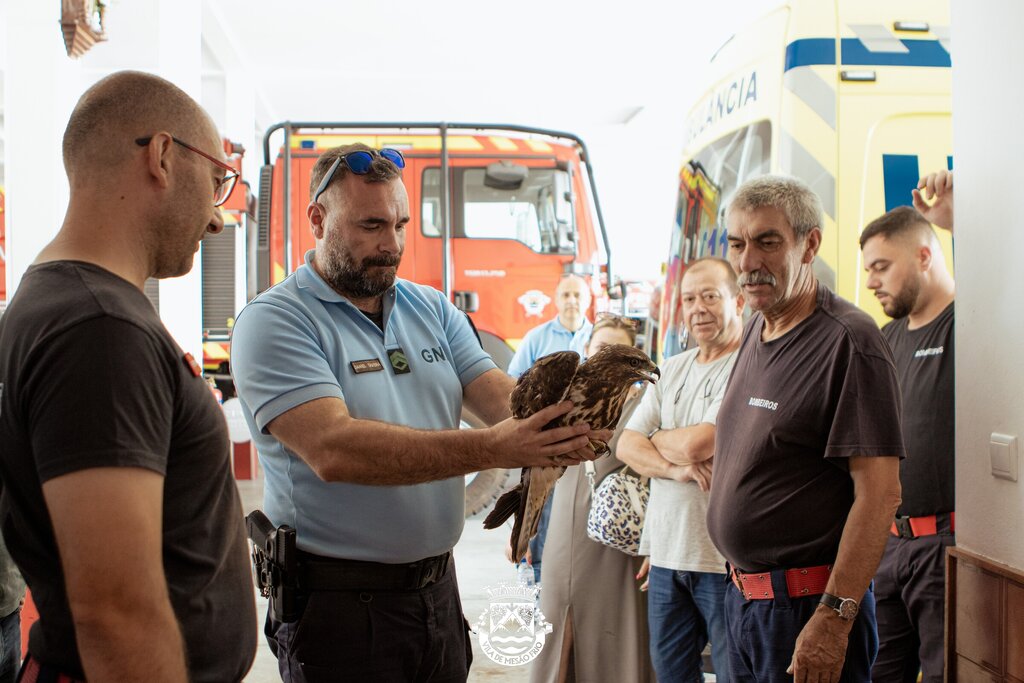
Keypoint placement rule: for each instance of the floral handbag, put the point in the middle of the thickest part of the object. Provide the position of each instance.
(617, 508)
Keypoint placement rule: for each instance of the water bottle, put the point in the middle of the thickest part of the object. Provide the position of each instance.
(525, 573)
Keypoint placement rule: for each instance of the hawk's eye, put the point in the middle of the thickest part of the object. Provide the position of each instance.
(634, 362)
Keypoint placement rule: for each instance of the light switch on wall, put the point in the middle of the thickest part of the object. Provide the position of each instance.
(1002, 452)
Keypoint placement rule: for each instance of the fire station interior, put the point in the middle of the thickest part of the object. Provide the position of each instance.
(624, 81)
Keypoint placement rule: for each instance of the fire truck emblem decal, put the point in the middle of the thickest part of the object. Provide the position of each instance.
(533, 302)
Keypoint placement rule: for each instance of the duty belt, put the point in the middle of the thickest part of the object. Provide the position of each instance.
(800, 582)
(318, 573)
(929, 525)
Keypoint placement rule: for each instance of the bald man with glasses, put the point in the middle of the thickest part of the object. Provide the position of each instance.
(119, 503)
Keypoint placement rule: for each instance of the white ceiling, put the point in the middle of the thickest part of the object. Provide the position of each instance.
(555, 63)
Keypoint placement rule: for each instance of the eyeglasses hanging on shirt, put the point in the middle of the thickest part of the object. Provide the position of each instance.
(709, 384)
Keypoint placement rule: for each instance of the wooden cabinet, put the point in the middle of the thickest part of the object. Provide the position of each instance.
(984, 620)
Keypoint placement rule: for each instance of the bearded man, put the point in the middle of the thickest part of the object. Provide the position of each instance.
(907, 272)
(352, 381)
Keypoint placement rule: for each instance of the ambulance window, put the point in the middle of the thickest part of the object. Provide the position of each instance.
(706, 185)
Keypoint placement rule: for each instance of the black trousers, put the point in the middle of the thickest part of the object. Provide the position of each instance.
(380, 636)
(910, 589)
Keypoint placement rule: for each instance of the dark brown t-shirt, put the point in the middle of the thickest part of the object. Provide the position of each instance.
(924, 362)
(796, 408)
(89, 378)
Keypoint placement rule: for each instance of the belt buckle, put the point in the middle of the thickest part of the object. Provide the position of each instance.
(903, 527)
(738, 582)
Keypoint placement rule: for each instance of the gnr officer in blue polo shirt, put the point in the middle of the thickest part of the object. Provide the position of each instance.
(353, 382)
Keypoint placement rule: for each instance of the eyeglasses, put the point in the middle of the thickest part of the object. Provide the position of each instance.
(226, 184)
(359, 162)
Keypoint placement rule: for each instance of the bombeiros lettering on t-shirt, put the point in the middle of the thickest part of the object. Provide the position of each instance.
(763, 403)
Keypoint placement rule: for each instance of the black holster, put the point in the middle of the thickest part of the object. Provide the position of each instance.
(275, 565)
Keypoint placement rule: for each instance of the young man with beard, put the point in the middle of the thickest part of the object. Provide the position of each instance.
(907, 272)
(353, 382)
(806, 475)
(119, 504)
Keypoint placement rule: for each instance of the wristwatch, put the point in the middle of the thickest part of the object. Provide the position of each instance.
(846, 608)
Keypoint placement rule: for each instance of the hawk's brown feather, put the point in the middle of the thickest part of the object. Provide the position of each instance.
(598, 389)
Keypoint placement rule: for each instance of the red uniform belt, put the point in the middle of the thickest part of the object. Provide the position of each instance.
(799, 582)
(913, 527)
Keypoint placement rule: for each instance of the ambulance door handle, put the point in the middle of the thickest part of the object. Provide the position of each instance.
(467, 301)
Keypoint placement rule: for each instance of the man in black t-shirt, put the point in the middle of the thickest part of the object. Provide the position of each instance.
(907, 271)
(119, 503)
(806, 476)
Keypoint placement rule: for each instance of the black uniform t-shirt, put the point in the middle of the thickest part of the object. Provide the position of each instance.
(795, 409)
(924, 363)
(89, 377)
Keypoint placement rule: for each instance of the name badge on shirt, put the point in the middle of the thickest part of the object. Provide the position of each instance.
(399, 363)
(369, 365)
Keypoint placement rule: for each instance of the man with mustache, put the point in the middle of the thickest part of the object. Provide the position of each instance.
(907, 272)
(569, 330)
(352, 382)
(806, 475)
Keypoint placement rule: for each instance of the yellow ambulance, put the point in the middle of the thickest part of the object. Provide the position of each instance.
(853, 97)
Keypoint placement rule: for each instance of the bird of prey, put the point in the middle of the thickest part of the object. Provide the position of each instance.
(598, 389)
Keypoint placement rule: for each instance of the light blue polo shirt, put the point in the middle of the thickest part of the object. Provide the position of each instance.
(547, 338)
(301, 341)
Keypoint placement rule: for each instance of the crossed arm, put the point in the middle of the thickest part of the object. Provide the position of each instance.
(683, 454)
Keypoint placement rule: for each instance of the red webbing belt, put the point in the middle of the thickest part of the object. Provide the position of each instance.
(799, 582)
(921, 526)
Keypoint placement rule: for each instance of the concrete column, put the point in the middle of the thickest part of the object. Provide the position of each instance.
(179, 60)
(41, 86)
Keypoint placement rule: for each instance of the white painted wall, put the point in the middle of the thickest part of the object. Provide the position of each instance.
(989, 242)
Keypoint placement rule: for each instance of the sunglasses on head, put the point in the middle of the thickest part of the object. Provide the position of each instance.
(359, 162)
(606, 319)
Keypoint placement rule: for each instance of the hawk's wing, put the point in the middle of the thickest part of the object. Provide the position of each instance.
(544, 383)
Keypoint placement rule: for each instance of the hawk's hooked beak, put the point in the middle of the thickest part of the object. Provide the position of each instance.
(652, 376)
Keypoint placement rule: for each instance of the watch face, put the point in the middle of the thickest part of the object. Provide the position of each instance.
(848, 609)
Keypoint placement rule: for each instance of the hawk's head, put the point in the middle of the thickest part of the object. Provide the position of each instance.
(623, 365)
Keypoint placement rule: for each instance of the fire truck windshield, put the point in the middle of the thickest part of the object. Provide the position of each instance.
(537, 211)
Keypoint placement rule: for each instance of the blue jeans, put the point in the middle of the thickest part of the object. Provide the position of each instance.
(763, 633)
(10, 646)
(684, 611)
(537, 542)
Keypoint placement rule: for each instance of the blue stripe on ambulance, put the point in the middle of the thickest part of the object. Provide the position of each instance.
(812, 51)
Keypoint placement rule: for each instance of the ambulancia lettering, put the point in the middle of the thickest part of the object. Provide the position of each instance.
(763, 403)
